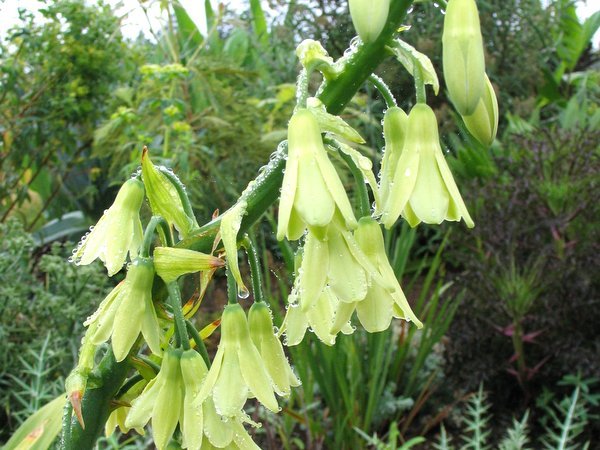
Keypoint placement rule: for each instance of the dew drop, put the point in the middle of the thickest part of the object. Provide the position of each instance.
(243, 292)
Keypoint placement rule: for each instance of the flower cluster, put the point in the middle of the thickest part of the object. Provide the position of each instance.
(343, 277)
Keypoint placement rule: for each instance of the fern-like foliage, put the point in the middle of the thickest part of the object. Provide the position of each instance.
(444, 441)
(567, 419)
(516, 437)
(477, 419)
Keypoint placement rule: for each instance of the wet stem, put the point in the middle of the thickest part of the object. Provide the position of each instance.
(255, 270)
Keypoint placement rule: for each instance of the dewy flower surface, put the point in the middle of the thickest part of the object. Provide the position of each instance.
(423, 189)
(118, 232)
(238, 371)
(395, 122)
(311, 190)
(381, 303)
(127, 310)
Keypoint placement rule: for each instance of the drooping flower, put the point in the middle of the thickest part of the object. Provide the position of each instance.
(463, 58)
(225, 433)
(167, 196)
(311, 190)
(118, 416)
(423, 189)
(117, 233)
(238, 371)
(483, 123)
(270, 349)
(369, 17)
(381, 303)
(171, 263)
(395, 122)
(162, 401)
(127, 310)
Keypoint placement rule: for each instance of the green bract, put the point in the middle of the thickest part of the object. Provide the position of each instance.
(271, 351)
(463, 59)
(311, 189)
(170, 263)
(423, 189)
(369, 17)
(127, 310)
(165, 194)
(483, 123)
(238, 371)
(118, 232)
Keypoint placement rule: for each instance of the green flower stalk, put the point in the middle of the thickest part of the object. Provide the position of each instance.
(463, 58)
(117, 233)
(483, 123)
(395, 122)
(127, 310)
(238, 371)
(380, 304)
(270, 349)
(311, 190)
(423, 188)
(170, 263)
(369, 17)
(167, 196)
(162, 401)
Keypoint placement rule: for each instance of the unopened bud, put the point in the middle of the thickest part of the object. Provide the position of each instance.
(369, 17)
(483, 123)
(463, 59)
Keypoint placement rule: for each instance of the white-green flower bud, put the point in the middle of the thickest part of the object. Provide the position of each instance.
(369, 17)
(483, 123)
(171, 263)
(463, 58)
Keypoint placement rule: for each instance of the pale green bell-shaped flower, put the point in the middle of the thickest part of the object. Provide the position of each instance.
(127, 310)
(170, 263)
(483, 123)
(238, 371)
(463, 58)
(193, 371)
(162, 401)
(225, 433)
(423, 188)
(381, 303)
(118, 232)
(311, 190)
(369, 17)
(167, 196)
(271, 350)
(395, 122)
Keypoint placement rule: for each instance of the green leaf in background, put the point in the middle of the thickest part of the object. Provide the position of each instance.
(39, 431)
(260, 23)
(189, 34)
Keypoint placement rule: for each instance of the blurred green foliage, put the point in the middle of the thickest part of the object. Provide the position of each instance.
(43, 302)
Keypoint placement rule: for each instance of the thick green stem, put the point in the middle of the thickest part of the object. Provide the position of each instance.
(334, 95)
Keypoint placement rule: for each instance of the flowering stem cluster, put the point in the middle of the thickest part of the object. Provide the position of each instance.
(342, 265)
